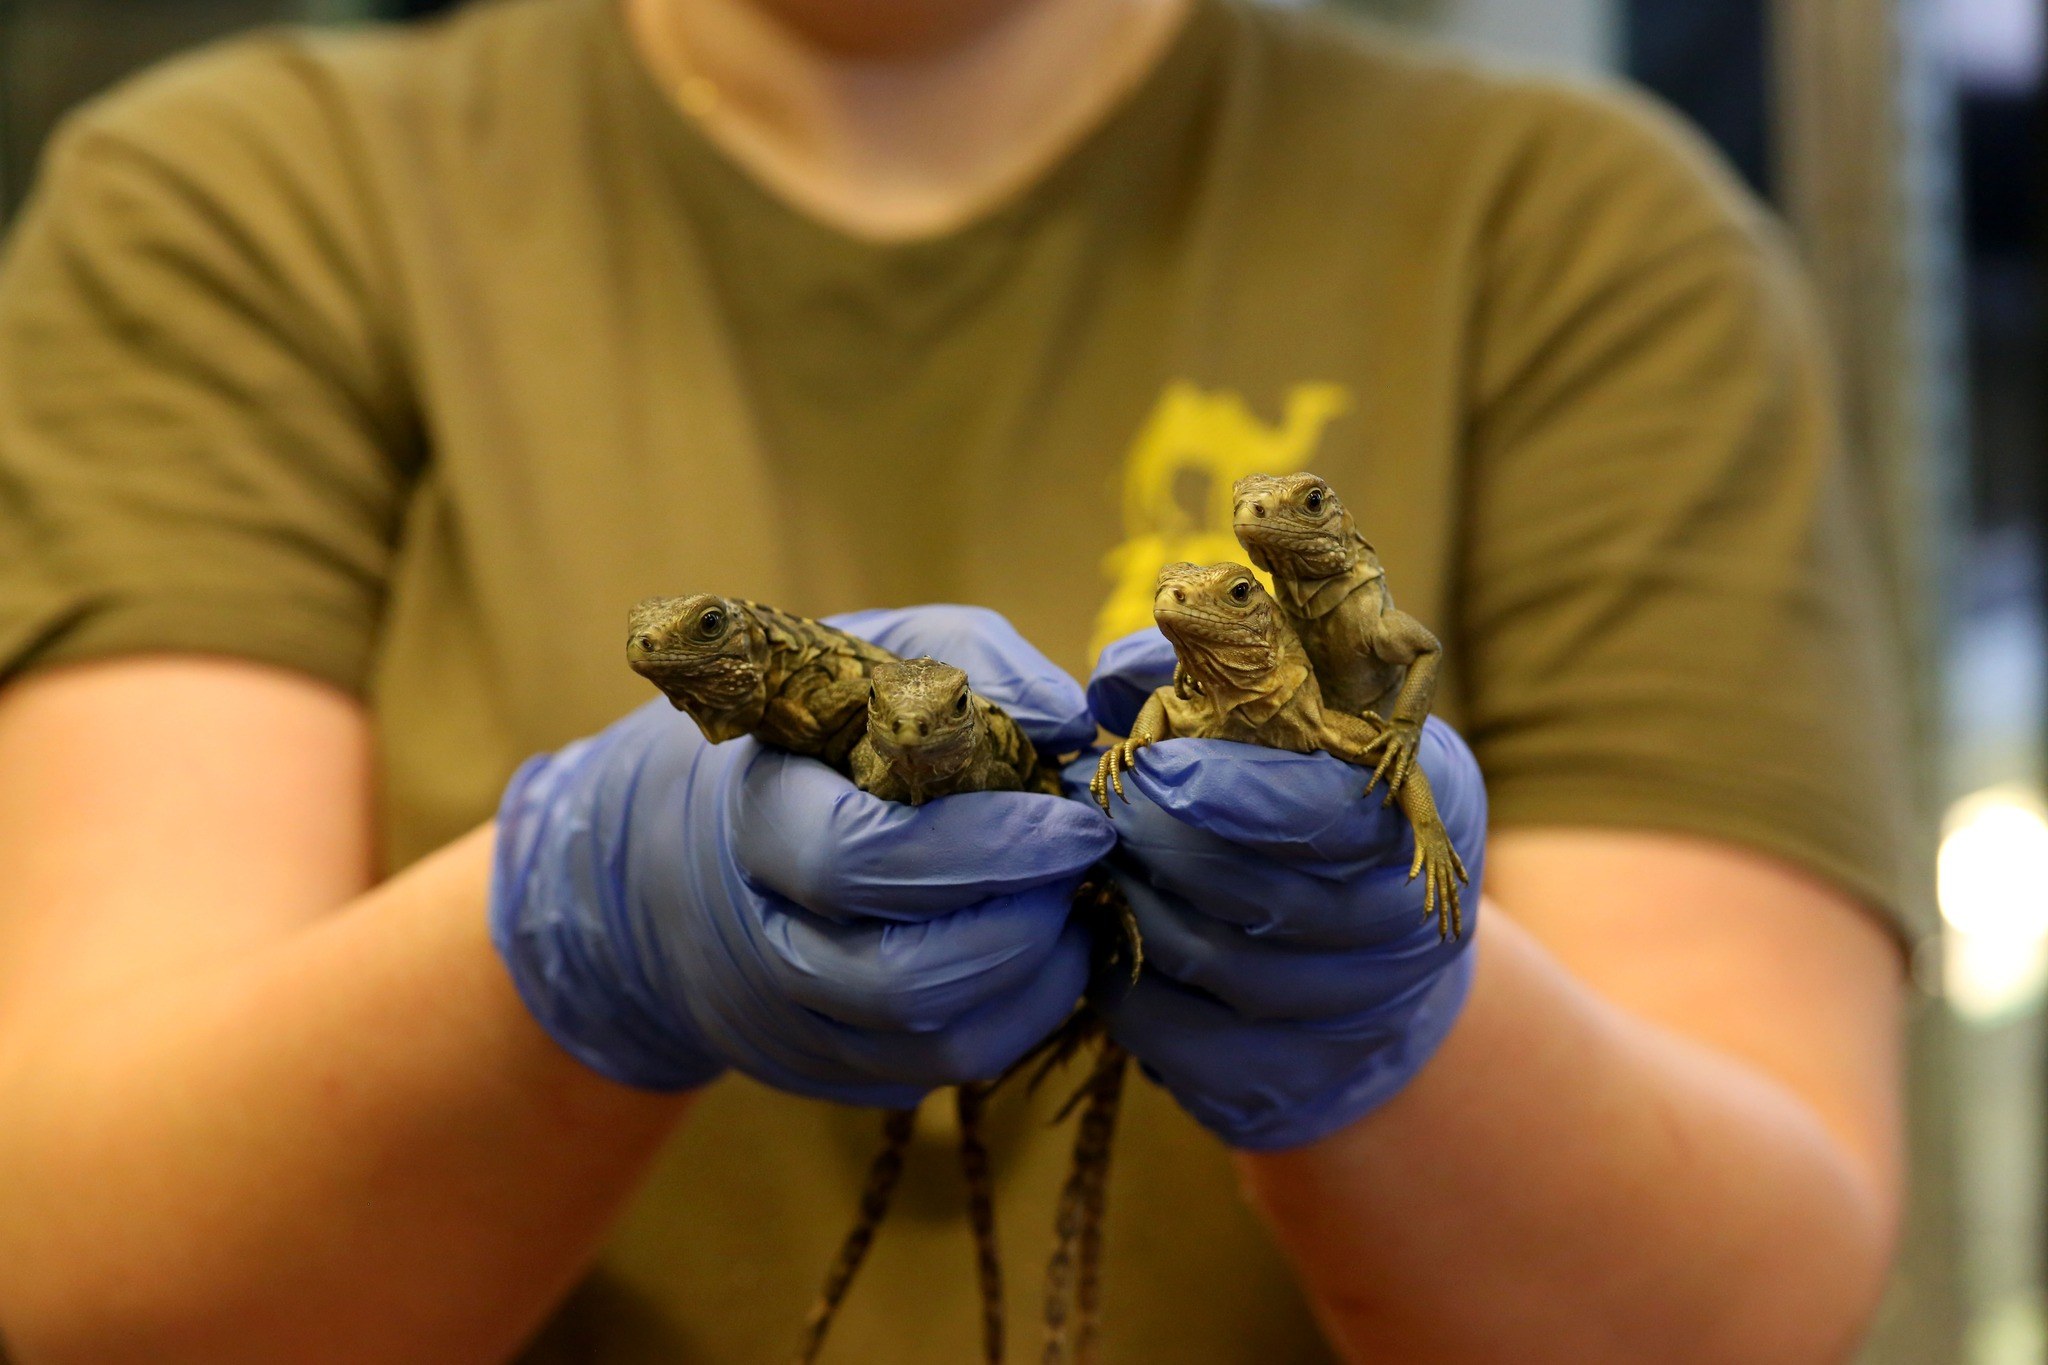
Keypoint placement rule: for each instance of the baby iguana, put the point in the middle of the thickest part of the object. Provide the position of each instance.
(1252, 682)
(741, 668)
(1369, 658)
(929, 734)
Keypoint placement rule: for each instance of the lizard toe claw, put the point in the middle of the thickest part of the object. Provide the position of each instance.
(1098, 785)
(1383, 771)
(1116, 760)
(1443, 872)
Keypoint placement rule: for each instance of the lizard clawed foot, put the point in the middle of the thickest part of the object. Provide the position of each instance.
(1117, 946)
(1118, 759)
(1186, 685)
(1443, 872)
(1396, 742)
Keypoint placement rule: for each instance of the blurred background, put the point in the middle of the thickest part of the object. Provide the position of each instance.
(1902, 140)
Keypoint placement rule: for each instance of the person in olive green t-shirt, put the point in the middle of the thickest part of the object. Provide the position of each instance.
(353, 384)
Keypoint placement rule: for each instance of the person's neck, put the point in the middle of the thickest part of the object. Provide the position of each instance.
(898, 119)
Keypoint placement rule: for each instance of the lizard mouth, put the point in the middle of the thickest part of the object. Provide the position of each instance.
(939, 755)
(671, 662)
(710, 676)
(1273, 528)
(1201, 622)
(1224, 656)
(722, 693)
(1310, 548)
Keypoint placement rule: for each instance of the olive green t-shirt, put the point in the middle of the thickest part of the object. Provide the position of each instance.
(409, 358)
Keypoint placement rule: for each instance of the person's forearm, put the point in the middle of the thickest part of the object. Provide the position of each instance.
(1564, 1183)
(352, 1145)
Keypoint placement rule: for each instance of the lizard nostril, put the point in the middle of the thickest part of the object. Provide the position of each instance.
(1258, 509)
(1179, 595)
(646, 642)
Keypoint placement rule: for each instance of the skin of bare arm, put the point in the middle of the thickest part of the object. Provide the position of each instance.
(257, 1109)
(1666, 1126)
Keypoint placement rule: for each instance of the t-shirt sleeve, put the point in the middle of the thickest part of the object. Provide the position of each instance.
(204, 438)
(1673, 611)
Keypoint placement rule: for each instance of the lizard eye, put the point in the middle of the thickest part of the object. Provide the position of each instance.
(1241, 590)
(710, 623)
(1314, 502)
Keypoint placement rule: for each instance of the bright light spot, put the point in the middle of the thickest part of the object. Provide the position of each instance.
(1992, 880)
(2010, 1332)
(1992, 44)
(1988, 980)
(1992, 876)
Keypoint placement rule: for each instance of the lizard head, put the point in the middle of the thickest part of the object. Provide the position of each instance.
(704, 653)
(1295, 526)
(1226, 628)
(922, 718)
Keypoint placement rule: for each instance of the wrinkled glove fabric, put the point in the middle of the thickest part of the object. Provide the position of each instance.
(669, 908)
(1291, 984)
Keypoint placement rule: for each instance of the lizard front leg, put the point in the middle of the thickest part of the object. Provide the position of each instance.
(874, 776)
(1436, 860)
(1150, 727)
(829, 718)
(1401, 639)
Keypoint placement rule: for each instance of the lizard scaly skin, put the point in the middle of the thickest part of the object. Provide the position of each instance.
(903, 730)
(930, 735)
(741, 668)
(1251, 681)
(1370, 658)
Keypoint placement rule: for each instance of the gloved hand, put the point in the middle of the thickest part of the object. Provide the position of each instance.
(1291, 984)
(669, 908)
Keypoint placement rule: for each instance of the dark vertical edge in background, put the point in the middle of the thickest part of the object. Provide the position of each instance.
(1712, 62)
(2035, 247)
(2001, 181)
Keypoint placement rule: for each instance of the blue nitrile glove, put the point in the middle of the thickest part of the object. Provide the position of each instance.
(1291, 985)
(669, 908)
